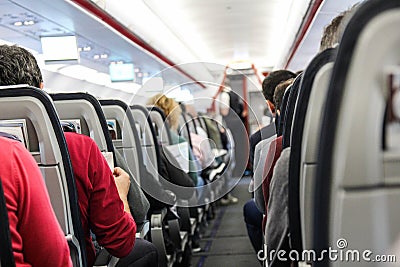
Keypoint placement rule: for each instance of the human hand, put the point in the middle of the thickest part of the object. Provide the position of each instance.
(122, 182)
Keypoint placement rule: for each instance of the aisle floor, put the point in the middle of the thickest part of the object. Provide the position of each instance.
(225, 242)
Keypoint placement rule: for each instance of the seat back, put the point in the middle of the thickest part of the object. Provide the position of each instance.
(186, 127)
(309, 159)
(289, 112)
(190, 123)
(283, 109)
(152, 160)
(149, 143)
(212, 131)
(160, 124)
(302, 108)
(87, 109)
(357, 178)
(183, 127)
(128, 141)
(200, 122)
(6, 252)
(46, 142)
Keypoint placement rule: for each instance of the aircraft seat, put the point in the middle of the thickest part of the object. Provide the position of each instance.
(302, 108)
(356, 193)
(289, 112)
(31, 112)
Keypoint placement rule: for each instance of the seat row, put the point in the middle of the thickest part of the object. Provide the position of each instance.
(139, 135)
(340, 147)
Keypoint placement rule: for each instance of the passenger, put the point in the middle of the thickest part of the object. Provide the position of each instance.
(173, 111)
(202, 149)
(234, 102)
(252, 216)
(234, 115)
(330, 37)
(30, 214)
(268, 87)
(260, 168)
(102, 195)
(277, 224)
(232, 112)
(279, 92)
(273, 155)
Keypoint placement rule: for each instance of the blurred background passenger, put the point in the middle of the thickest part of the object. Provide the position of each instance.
(173, 111)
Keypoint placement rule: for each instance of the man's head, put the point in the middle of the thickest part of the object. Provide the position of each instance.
(18, 66)
(334, 31)
(280, 91)
(331, 33)
(271, 81)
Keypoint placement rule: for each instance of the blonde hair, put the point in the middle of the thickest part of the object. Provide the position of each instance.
(171, 109)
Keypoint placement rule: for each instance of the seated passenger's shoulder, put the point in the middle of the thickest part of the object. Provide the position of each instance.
(10, 147)
(77, 138)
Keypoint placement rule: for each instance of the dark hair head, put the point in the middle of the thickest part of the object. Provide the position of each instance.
(18, 66)
(272, 80)
(333, 32)
(280, 91)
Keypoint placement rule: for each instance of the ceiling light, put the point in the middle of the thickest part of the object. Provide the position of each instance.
(145, 74)
(140, 74)
(96, 56)
(79, 49)
(240, 65)
(87, 48)
(18, 23)
(103, 56)
(29, 22)
(137, 69)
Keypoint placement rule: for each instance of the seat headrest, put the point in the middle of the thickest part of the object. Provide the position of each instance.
(288, 118)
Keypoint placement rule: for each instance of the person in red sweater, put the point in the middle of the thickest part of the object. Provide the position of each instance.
(102, 195)
(99, 197)
(28, 205)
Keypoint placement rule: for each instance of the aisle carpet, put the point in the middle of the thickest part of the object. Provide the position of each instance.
(225, 242)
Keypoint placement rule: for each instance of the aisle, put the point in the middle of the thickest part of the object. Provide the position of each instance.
(225, 243)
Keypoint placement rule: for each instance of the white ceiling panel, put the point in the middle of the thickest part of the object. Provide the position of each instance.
(59, 17)
(217, 31)
(185, 31)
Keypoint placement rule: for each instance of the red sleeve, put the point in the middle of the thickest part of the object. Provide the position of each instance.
(114, 228)
(273, 155)
(36, 236)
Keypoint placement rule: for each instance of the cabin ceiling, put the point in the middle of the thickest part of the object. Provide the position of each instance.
(218, 32)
